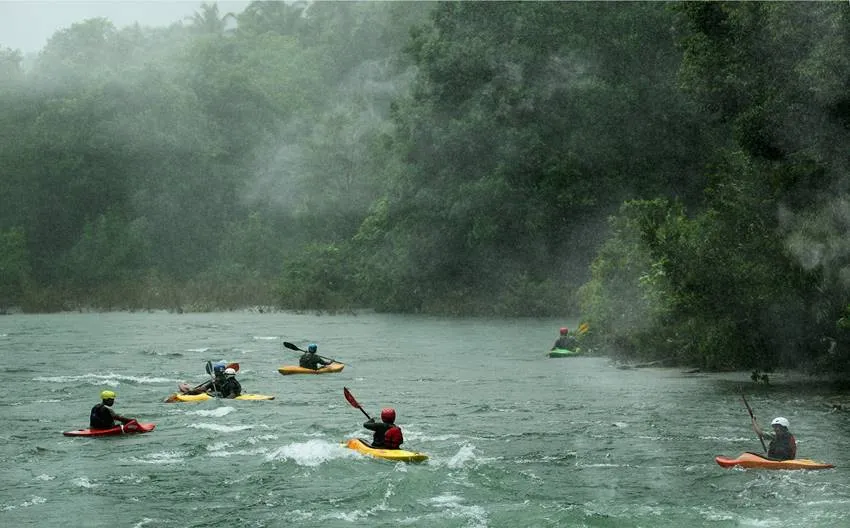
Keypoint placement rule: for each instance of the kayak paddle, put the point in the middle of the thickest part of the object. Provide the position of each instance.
(353, 402)
(292, 346)
(583, 328)
(753, 418)
(209, 368)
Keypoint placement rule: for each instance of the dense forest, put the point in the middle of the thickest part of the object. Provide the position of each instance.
(673, 173)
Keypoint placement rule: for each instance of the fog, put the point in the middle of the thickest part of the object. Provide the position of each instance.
(26, 26)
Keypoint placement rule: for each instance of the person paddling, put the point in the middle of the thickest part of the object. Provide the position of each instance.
(311, 360)
(103, 416)
(565, 341)
(209, 385)
(783, 445)
(230, 388)
(387, 433)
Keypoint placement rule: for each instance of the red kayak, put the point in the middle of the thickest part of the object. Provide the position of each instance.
(128, 428)
(754, 461)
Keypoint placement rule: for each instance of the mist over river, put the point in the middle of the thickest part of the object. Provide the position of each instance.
(515, 439)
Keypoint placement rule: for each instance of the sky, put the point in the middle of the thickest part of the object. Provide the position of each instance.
(27, 24)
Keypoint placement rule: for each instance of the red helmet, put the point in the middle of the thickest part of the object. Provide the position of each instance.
(388, 415)
(565, 330)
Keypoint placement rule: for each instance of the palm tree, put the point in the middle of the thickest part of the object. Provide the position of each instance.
(207, 21)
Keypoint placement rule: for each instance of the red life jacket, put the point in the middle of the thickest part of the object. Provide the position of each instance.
(393, 437)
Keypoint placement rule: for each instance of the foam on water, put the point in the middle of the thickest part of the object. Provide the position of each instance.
(220, 427)
(218, 412)
(83, 482)
(464, 455)
(163, 457)
(31, 502)
(111, 379)
(311, 453)
(453, 507)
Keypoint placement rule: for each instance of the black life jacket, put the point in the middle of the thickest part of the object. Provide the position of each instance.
(101, 417)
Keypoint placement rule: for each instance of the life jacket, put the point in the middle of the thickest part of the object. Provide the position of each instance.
(393, 437)
(783, 448)
(100, 417)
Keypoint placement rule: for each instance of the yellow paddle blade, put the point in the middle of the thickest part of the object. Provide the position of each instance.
(582, 328)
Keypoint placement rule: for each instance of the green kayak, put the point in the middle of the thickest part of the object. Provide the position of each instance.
(563, 352)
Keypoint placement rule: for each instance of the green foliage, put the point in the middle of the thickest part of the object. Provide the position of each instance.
(319, 277)
(109, 250)
(627, 299)
(683, 162)
(14, 268)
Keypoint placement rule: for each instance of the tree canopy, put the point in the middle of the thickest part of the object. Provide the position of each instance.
(673, 172)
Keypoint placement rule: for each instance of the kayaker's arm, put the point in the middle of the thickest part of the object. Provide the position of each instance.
(372, 425)
(116, 416)
(761, 433)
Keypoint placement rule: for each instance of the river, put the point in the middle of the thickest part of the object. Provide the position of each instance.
(515, 439)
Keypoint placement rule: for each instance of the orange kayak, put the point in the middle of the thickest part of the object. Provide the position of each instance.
(754, 461)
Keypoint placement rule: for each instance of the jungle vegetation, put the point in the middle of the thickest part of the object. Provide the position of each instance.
(674, 173)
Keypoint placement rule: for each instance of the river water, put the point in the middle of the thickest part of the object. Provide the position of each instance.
(515, 439)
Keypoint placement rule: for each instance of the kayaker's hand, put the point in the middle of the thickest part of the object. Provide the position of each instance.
(371, 420)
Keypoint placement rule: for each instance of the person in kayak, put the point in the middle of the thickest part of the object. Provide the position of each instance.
(311, 360)
(103, 416)
(209, 385)
(783, 445)
(565, 341)
(387, 433)
(230, 388)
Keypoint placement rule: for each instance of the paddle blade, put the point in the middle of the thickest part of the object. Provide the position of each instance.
(292, 346)
(208, 367)
(350, 398)
(582, 328)
(234, 366)
(353, 402)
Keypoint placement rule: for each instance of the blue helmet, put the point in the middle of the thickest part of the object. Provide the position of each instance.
(218, 368)
(312, 348)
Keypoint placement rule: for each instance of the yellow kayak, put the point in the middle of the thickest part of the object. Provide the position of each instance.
(293, 369)
(204, 396)
(396, 455)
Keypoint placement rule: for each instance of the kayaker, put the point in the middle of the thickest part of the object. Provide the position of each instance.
(783, 445)
(210, 384)
(230, 388)
(311, 360)
(387, 433)
(103, 416)
(565, 341)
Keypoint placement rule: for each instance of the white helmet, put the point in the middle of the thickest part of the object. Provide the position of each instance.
(231, 372)
(781, 421)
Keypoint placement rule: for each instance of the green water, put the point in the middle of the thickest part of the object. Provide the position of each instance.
(515, 439)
